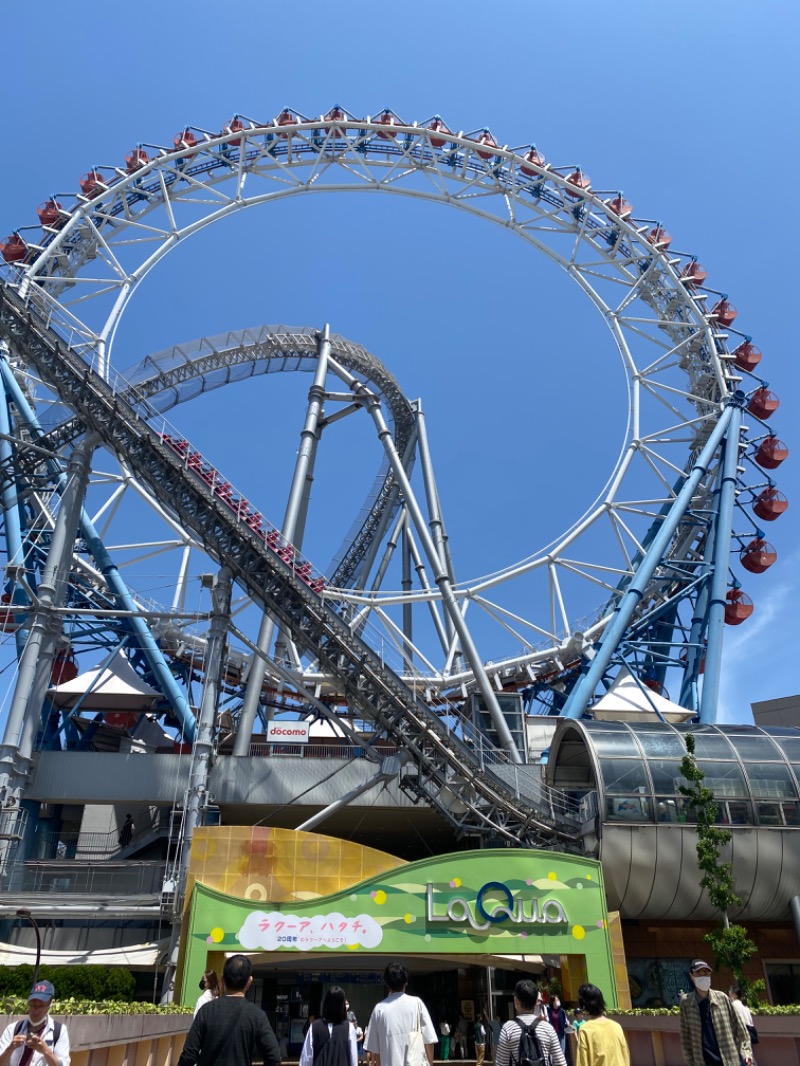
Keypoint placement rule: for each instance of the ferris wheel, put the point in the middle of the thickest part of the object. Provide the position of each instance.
(642, 580)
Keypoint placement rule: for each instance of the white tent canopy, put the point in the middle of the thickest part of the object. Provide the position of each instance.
(115, 687)
(626, 701)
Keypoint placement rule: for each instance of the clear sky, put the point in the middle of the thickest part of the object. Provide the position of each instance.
(689, 109)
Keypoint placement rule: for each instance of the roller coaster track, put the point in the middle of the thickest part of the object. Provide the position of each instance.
(473, 786)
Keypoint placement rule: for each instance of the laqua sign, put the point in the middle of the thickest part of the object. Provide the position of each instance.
(483, 904)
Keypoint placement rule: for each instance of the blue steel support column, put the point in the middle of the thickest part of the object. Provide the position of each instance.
(586, 685)
(726, 497)
(139, 628)
(689, 697)
(11, 523)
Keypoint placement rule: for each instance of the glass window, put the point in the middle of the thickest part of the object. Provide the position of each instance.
(790, 746)
(771, 781)
(615, 744)
(783, 981)
(628, 809)
(724, 779)
(791, 813)
(711, 746)
(741, 812)
(624, 775)
(665, 744)
(666, 774)
(755, 747)
(769, 814)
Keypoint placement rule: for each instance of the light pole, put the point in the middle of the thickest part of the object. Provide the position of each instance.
(23, 912)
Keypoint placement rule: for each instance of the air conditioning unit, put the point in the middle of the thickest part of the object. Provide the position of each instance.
(169, 896)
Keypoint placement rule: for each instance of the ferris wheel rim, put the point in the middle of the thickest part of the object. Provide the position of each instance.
(460, 141)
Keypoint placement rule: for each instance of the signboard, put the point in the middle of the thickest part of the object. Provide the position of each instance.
(491, 902)
(288, 732)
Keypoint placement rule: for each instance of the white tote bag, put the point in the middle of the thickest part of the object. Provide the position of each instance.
(416, 1055)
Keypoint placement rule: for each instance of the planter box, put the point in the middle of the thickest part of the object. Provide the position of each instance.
(655, 1041)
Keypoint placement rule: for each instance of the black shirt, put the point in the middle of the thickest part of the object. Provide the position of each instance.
(230, 1031)
(711, 1055)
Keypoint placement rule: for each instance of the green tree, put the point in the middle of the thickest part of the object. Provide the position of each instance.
(730, 943)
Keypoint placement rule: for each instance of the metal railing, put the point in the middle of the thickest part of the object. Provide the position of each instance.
(101, 879)
(79, 845)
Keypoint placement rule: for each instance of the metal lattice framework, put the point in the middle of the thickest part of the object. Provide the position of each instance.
(81, 269)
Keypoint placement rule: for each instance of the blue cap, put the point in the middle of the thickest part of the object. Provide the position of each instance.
(42, 990)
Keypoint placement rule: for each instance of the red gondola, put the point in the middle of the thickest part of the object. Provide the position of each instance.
(236, 126)
(285, 118)
(50, 213)
(738, 607)
(758, 556)
(770, 504)
(580, 182)
(335, 115)
(488, 141)
(620, 206)
(747, 356)
(13, 249)
(7, 623)
(771, 453)
(92, 184)
(694, 274)
(725, 313)
(386, 118)
(136, 159)
(184, 139)
(536, 159)
(437, 126)
(763, 403)
(659, 237)
(64, 668)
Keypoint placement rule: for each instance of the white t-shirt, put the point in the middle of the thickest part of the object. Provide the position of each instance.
(206, 997)
(391, 1022)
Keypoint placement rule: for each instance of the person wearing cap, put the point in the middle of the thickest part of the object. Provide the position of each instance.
(36, 1040)
(712, 1034)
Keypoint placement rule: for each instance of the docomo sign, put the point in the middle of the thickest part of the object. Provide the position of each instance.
(288, 732)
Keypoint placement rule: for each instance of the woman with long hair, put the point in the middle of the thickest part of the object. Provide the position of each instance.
(600, 1040)
(331, 1038)
(209, 986)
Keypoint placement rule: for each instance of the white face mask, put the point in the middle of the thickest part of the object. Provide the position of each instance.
(702, 983)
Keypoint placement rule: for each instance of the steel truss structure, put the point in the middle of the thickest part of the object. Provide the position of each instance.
(654, 546)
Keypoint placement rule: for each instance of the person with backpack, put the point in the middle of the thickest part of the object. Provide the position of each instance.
(528, 1040)
(601, 1040)
(36, 1040)
(331, 1039)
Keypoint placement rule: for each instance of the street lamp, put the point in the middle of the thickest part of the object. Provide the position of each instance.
(23, 912)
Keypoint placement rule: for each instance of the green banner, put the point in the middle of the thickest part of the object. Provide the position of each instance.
(493, 902)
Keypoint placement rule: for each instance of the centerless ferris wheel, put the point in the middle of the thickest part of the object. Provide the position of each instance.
(642, 583)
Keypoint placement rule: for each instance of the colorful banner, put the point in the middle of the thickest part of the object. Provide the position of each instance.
(476, 903)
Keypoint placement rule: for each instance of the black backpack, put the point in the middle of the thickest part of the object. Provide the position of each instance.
(528, 1052)
(56, 1030)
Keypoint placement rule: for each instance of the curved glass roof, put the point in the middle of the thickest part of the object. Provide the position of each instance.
(753, 772)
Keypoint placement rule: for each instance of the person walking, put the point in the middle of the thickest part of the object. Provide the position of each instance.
(526, 995)
(230, 1030)
(479, 1036)
(745, 1014)
(331, 1038)
(126, 832)
(209, 988)
(601, 1041)
(557, 1017)
(711, 1030)
(394, 1018)
(444, 1040)
(36, 1040)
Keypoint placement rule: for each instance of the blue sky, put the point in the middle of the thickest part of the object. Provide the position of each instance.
(689, 109)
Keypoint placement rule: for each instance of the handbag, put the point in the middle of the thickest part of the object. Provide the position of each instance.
(751, 1029)
(416, 1055)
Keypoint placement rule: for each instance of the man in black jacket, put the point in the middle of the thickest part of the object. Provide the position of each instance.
(230, 1030)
